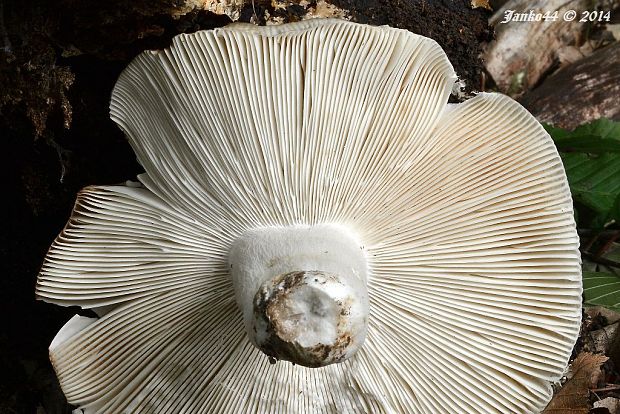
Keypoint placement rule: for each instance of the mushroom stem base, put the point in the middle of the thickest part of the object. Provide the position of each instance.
(310, 318)
(302, 292)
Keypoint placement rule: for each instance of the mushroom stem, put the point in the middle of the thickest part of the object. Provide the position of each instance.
(302, 291)
(309, 317)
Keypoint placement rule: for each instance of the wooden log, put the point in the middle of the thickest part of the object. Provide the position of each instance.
(525, 51)
(582, 92)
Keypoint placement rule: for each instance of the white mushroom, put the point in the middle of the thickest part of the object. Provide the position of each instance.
(302, 291)
(309, 193)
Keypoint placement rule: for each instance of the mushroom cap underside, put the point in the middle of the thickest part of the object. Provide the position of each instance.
(463, 210)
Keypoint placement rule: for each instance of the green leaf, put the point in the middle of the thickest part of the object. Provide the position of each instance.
(556, 133)
(591, 156)
(594, 180)
(614, 212)
(603, 128)
(599, 136)
(600, 288)
(588, 143)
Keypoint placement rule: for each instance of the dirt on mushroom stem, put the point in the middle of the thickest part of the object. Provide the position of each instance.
(271, 304)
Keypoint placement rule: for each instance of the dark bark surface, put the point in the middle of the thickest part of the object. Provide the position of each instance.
(594, 91)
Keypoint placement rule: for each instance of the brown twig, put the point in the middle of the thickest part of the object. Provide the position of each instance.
(602, 233)
(608, 244)
(612, 387)
(600, 260)
(591, 242)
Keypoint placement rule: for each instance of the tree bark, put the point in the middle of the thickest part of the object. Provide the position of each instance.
(595, 91)
(525, 51)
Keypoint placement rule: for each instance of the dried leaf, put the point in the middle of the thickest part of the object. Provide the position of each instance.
(610, 316)
(572, 398)
(612, 405)
(481, 3)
